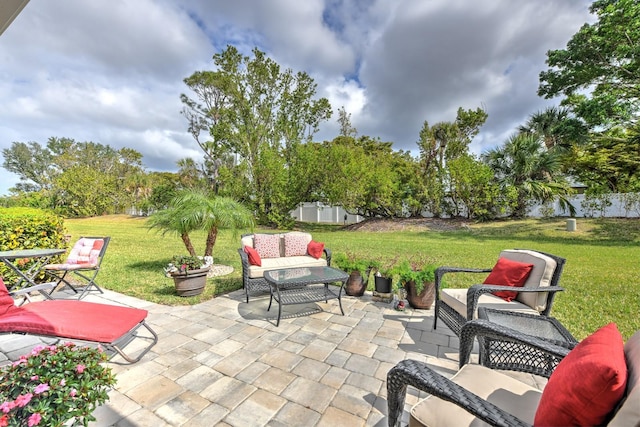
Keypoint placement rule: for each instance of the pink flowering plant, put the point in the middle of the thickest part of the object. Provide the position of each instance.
(54, 384)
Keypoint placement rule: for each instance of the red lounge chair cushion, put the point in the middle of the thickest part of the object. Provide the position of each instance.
(508, 273)
(6, 302)
(587, 384)
(72, 319)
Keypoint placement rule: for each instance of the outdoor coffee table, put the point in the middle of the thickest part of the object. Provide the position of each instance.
(41, 257)
(304, 285)
(517, 341)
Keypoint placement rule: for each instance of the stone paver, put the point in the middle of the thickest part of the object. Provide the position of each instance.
(225, 363)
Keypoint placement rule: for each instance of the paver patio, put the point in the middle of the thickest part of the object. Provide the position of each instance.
(224, 362)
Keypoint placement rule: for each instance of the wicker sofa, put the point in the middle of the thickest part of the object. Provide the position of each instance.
(253, 275)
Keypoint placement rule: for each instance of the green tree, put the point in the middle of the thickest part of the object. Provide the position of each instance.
(473, 190)
(439, 144)
(610, 162)
(252, 109)
(197, 209)
(524, 166)
(32, 163)
(72, 176)
(599, 71)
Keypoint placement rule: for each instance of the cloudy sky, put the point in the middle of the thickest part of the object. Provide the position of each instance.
(111, 71)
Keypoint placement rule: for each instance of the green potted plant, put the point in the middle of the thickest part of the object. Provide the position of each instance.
(358, 269)
(419, 283)
(189, 274)
(383, 276)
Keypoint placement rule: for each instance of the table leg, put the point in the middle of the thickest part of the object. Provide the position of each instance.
(340, 297)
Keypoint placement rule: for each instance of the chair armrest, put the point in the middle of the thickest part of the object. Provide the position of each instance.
(475, 291)
(486, 329)
(441, 271)
(39, 287)
(24, 292)
(419, 375)
(327, 253)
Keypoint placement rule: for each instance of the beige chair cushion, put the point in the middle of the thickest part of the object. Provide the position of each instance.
(629, 412)
(509, 394)
(541, 275)
(285, 262)
(457, 299)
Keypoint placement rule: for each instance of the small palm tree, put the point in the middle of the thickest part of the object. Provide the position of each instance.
(534, 172)
(194, 209)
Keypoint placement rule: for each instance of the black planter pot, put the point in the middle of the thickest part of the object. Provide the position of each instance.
(383, 284)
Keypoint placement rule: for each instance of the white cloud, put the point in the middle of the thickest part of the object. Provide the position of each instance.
(111, 71)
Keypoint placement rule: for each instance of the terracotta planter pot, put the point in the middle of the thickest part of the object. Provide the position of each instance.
(355, 285)
(191, 283)
(425, 299)
(383, 284)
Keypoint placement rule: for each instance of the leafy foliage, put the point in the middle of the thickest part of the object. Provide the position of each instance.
(522, 165)
(193, 209)
(54, 384)
(25, 228)
(598, 72)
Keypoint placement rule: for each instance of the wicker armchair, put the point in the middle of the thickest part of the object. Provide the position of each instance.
(457, 306)
(477, 393)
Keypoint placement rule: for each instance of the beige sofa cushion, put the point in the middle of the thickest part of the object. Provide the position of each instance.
(504, 391)
(457, 299)
(541, 275)
(285, 262)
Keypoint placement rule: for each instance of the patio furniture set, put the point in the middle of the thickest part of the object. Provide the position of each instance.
(594, 381)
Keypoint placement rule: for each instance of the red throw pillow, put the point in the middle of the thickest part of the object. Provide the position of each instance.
(315, 249)
(587, 384)
(508, 273)
(254, 258)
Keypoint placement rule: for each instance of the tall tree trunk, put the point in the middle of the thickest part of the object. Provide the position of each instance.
(187, 244)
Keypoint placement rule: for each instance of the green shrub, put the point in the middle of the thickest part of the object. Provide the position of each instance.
(28, 228)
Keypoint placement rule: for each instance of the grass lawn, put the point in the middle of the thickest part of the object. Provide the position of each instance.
(601, 276)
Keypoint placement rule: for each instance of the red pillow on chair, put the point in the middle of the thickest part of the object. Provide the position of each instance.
(508, 273)
(254, 258)
(587, 384)
(315, 249)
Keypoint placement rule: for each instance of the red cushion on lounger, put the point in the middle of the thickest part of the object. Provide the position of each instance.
(72, 319)
(6, 302)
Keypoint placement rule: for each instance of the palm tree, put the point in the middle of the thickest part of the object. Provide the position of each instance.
(556, 127)
(523, 164)
(194, 209)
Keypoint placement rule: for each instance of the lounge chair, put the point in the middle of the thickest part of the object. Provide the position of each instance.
(113, 327)
(84, 262)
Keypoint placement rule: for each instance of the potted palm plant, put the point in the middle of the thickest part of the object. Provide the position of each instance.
(196, 209)
(419, 283)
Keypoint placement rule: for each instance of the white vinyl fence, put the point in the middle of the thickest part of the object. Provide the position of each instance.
(614, 205)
